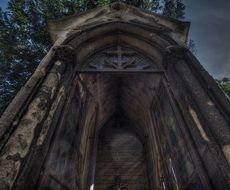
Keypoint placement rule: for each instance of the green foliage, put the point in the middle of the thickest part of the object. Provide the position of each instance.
(23, 42)
(174, 9)
(24, 38)
(151, 5)
(225, 85)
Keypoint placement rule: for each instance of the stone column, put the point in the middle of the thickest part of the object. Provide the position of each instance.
(202, 113)
(33, 125)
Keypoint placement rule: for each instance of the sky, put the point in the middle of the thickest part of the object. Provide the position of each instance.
(3, 3)
(210, 30)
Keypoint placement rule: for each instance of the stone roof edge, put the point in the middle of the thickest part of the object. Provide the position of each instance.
(56, 24)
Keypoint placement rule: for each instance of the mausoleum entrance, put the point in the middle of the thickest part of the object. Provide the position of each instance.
(138, 140)
(125, 128)
(119, 151)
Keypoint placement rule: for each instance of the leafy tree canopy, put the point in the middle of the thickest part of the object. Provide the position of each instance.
(24, 38)
(225, 85)
(174, 9)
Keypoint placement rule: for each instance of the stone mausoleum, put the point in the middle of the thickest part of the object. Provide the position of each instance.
(118, 103)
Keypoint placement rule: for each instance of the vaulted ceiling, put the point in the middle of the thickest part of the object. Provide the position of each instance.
(130, 94)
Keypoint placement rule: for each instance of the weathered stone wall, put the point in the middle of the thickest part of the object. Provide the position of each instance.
(200, 102)
(23, 139)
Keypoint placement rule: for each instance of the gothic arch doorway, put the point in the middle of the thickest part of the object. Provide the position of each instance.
(122, 101)
(119, 80)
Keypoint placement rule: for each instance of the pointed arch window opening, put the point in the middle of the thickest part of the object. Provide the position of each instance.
(119, 59)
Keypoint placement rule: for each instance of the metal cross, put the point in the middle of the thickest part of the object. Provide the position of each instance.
(120, 53)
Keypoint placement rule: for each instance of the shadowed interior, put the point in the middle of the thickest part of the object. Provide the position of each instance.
(130, 95)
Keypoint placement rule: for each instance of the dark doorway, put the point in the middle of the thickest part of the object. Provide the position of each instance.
(120, 159)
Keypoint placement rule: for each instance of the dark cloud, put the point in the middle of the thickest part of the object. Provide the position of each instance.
(210, 29)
